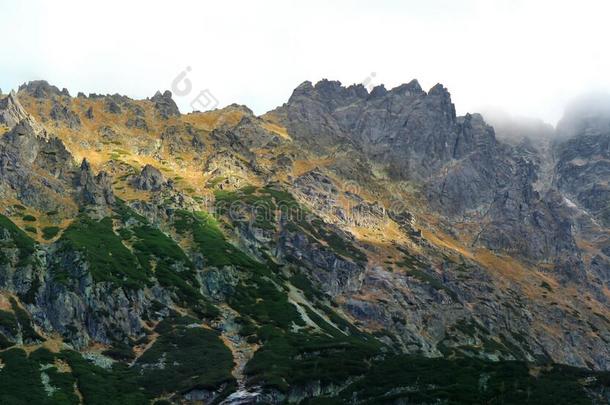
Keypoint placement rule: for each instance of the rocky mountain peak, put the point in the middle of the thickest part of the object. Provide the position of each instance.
(439, 90)
(42, 89)
(413, 88)
(378, 91)
(301, 90)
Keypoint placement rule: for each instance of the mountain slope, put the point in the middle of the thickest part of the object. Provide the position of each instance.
(293, 257)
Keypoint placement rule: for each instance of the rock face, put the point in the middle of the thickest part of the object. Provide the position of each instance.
(583, 161)
(464, 171)
(11, 111)
(414, 132)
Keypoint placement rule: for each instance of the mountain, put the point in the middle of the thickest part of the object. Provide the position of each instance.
(347, 247)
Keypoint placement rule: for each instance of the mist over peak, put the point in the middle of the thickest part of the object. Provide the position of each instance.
(588, 114)
(515, 128)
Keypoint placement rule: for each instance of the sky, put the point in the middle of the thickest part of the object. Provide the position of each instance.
(523, 57)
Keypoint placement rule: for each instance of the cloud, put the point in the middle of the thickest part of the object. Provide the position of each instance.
(527, 57)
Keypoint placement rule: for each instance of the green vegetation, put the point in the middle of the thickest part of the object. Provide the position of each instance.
(49, 232)
(29, 218)
(8, 326)
(31, 229)
(18, 239)
(173, 269)
(100, 386)
(109, 260)
(27, 330)
(301, 282)
(258, 204)
(337, 243)
(20, 381)
(287, 356)
(262, 204)
(467, 381)
(294, 352)
(292, 359)
(195, 357)
(210, 240)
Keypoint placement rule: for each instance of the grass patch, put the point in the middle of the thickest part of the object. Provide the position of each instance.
(210, 240)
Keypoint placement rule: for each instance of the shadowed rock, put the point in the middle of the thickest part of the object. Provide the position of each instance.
(149, 179)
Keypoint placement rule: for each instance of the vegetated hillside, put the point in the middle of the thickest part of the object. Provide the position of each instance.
(347, 247)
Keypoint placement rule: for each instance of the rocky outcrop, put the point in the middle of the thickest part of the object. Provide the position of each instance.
(34, 166)
(112, 106)
(149, 179)
(11, 111)
(42, 89)
(164, 104)
(62, 114)
(94, 189)
(137, 122)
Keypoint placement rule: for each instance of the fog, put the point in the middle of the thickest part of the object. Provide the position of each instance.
(513, 129)
(526, 58)
(586, 114)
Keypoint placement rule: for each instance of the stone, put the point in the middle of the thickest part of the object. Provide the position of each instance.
(149, 179)
(165, 105)
(11, 111)
(94, 189)
(42, 89)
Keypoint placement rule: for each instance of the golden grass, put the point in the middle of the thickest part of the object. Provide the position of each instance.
(277, 129)
(210, 120)
(5, 304)
(301, 167)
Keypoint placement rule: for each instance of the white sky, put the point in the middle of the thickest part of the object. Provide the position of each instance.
(525, 57)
